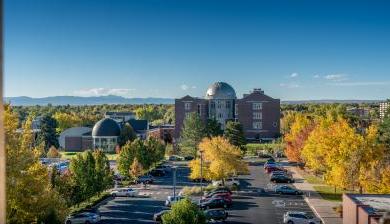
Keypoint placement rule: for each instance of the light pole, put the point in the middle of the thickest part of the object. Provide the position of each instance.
(201, 170)
(174, 168)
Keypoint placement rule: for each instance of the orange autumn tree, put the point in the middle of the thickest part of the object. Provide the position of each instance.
(295, 139)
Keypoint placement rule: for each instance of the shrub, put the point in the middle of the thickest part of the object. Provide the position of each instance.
(184, 212)
(53, 153)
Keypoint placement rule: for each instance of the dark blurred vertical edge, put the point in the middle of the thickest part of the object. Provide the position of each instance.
(2, 145)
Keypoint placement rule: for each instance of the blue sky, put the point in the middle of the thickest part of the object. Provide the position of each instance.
(293, 49)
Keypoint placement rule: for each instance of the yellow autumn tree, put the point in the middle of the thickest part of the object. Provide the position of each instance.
(316, 146)
(221, 159)
(374, 176)
(335, 150)
(30, 198)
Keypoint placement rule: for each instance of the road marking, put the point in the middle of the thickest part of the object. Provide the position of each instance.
(279, 203)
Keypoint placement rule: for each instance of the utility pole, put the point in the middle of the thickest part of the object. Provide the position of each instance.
(201, 170)
(174, 168)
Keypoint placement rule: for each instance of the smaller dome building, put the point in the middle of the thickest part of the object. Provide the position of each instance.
(105, 134)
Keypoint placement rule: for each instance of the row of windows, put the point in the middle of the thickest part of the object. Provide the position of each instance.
(255, 106)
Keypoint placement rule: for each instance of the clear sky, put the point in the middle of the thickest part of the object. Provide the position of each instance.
(293, 49)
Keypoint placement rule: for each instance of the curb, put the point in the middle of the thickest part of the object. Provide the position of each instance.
(313, 209)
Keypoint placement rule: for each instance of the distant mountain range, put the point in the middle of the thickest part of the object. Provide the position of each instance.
(78, 100)
(98, 100)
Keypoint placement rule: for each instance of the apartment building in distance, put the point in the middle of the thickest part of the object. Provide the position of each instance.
(384, 108)
(258, 113)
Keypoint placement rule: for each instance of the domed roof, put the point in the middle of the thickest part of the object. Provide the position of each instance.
(220, 90)
(106, 127)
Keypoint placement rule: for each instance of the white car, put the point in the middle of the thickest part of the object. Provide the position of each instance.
(229, 182)
(84, 217)
(124, 192)
(171, 200)
(299, 218)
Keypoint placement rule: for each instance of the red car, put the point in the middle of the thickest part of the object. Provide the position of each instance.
(273, 168)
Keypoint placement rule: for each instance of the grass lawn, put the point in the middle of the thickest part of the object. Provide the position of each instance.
(327, 192)
(70, 155)
(312, 179)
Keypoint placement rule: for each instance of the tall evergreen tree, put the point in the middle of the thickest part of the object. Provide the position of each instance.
(192, 133)
(48, 132)
(213, 128)
(235, 134)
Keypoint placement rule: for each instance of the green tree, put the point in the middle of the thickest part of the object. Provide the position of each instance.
(48, 132)
(193, 131)
(235, 134)
(127, 134)
(126, 157)
(213, 128)
(184, 212)
(384, 132)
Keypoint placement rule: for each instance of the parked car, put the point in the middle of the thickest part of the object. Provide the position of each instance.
(146, 179)
(229, 182)
(124, 192)
(157, 216)
(188, 158)
(175, 158)
(226, 197)
(273, 168)
(279, 172)
(171, 200)
(164, 167)
(284, 189)
(157, 172)
(299, 218)
(218, 191)
(214, 203)
(84, 217)
(198, 180)
(223, 194)
(216, 214)
(281, 179)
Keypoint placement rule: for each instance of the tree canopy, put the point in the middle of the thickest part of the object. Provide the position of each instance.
(235, 134)
(192, 133)
(221, 160)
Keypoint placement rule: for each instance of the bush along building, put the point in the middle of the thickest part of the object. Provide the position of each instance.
(258, 113)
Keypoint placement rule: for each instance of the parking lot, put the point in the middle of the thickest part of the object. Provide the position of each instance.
(254, 203)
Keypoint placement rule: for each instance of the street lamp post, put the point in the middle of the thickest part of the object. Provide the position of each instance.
(174, 168)
(201, 170)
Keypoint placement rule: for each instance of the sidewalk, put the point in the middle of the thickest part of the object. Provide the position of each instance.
(322, 208)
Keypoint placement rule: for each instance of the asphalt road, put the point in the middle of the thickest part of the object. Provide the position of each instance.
(254, 203)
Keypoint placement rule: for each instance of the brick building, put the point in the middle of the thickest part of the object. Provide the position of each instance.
(365, 208)
(258, 113)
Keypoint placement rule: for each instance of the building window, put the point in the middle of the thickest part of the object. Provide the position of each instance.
(220, 115)
(228, 104)
(236, 109)
(219, 105)
(257, 106)
(187, 106)
(257, 125)
(212, 105)
(199, 109)
(257, 115)
(275, 124)
(188, 115)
